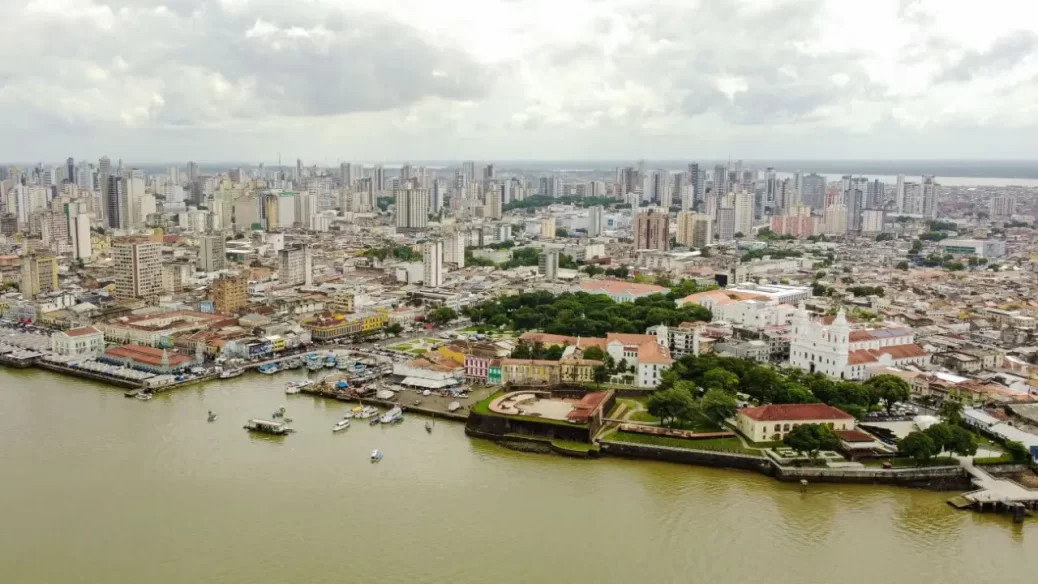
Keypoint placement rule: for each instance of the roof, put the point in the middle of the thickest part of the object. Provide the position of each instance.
(618, 287)
(146, 355)
(81, 332)
(855, 436)
(794, 412)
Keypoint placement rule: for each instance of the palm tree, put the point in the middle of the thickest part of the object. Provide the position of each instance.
(951, 411)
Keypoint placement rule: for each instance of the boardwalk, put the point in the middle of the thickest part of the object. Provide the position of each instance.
(995, 490)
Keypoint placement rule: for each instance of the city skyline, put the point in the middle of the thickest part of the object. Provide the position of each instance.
(507, 80)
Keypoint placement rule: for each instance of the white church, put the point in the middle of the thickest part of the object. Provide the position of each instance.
(837, 348)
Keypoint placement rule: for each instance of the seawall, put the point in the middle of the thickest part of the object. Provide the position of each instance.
(688, 456)
(941, 478)
(498, 427)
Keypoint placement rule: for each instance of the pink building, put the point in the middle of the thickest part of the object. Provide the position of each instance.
(795, 225)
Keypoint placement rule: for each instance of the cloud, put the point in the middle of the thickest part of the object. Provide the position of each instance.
(1006, 53)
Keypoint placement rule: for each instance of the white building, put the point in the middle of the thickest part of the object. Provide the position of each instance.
(86, 342)
(595, 225)
(212, 253)
(138, 268)
(991, 248)
(412, 208)
(1002, 207)
(79, 236)
(432, 263)
(454, 249)
(292, 265)
(771, 422)
(744, 213)
(833, 348)
(548, 264)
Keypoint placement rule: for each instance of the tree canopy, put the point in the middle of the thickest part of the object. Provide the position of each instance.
(890, 389)
(811, 439)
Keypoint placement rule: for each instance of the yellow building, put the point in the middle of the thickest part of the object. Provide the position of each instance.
(522, 371)
(342, 302)
(451, 352)
(230, 293)
(578, 370)
(39, 275)
(326, 328)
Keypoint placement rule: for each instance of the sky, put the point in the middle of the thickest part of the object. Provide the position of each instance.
(370, 80)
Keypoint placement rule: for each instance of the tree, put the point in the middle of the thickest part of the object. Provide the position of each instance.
(811, 439)
(395, 329)
(718, 405)
(670, 405)
(889, 388)
(442, 315)
(621, 367)
(601, 374)
(902, 265)
(918, 446)
(1018, 452)
(718, 378)
(595, 353)
(738, 235)
(951, 412)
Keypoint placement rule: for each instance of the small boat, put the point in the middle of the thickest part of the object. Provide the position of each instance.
(454, 406)
(230, 373)
(269, 369)
(375, 422)
(392, 416)
(384, 394)
(294, 364)
(341, 425)
(329, 361)
(365, 412)
(279, 413)
(428, 427)
(376, 455)
(314, 364)
(267, 427)
(212, 416)
(144, 396)
(348, 415)
(293, 387)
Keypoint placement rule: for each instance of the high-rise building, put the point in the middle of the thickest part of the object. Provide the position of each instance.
(548, 228)
(412, 208)
(378, 177)
(725, 223)
(1002, 207)
(834, 221)
(270, 212)
(432, 263)
(652, 230)
(292, 265)
(39, 275)
(744, 211)
(138, 268)
(854, 200)
(595, 222)
(899, 193)
(454, 248)
(79, 236)
(659, 187)
(813, 193)
(230, 293)
(115, 204)
(492, 209)
(104, 171)
(548, 264)
(911, 198)
(192, 171)
(468, 170)
(876, 196)
(931, 196)
(694, 229)
(720, 178)
(212, 253)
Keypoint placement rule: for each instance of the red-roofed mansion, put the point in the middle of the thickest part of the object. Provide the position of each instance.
(772, 422)
(839, 351)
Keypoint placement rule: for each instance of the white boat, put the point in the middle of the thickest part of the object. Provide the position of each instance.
(293, 387)
(376, 455)
(144, 396)
(341, 425)
(348, 415)
(229, 373)
(384, 394)
(393, 415)
(366, 412)
(454, 406)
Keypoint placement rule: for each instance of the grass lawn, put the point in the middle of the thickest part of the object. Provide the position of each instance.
(401, 347)
(732, 445)
(1004, 459)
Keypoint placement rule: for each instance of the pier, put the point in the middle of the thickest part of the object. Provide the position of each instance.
(997, 494)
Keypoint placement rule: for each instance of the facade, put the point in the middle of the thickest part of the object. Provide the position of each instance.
(620, 291)
(412, 208)
(694, 229)
(548, 264)
(1002, 207)
(292, 265)
(138, 268)
(771, 423)
(432, 263)
(454, 249)
(646, 356)
(725, 223)
(744, 210)
(595, 223)
(991, 248)
(159, 329)
(87, 342)
(652, 230)
(212, 256)
(332, 327)
(342, 302)
(39, 275)
(79, 236)
(548, 228)
(230, 293)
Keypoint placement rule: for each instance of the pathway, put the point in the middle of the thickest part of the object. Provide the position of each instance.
(991, 489)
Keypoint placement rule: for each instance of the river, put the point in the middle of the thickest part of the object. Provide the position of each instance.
(99, 488)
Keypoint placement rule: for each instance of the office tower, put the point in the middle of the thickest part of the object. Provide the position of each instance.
(488, 172)
(454, 248)
(725, 223)
(492, 208)
(744, 211)
(720, 178)
(115, 209)
(299, 169)
(432, 263)
(270, 211)
(39, 275)
(876, 195)
(1002, 207)
(70, 170)
(212, 253)
(85, 176)
(813, 193)
(138, 268)
(695, 182)
(79, 236)
(468, 170)
(133, 184)
(911, 199)
(192, 171)
(412, 208)
(652, 230)
(658, 189)
(899, 193)
(104, 170)
(931, 196)
(548, 228)
(771, 193)
(548, 264)
(854, 200)
(230, 293)
(292, 263)
(595, 221)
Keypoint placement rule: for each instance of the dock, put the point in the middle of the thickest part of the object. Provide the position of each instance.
(996, 494)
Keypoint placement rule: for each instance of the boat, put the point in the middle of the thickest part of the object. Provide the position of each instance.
(454, 406)
(329, 361)
(144, 395)
(294, 364)
(268, 368)
(279, 413)
(267, 427)
(293, 387)
(314, 364)
(375, 422)
(376, 455)
(341, 425)
(365, 412)
(384, 394)
(428, 427)
(229, 373)
(348, 415)
(212, 416)
(392, 416)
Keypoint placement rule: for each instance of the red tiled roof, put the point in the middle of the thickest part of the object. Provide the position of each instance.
(618, 287)
(79, 332)
(855, 436)
(782, 412)
(147, 355)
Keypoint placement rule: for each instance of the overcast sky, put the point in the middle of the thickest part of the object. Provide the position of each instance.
(366, 80)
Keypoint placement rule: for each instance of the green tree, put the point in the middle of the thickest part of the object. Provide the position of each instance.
(811, 439)
(1018, 452)
(595, 353)
(889, 388)
(601, 374)
(671, 405)
(718, 405)
(395, 329)
(951, 412)
(718, 378)
(902, 265)
(918, 446)
(442, 315)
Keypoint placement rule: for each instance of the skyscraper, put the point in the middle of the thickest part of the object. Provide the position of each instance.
(70, 168)
(378, 177)
(468, 170)
(652, 231)
(492, 209)
(104, 170)
(138, 268)
(454, 248)
(720, 178)
(548, 264)
(192, 171)
(744, 210)
(292, 265)
(876, 196)
(854, 200)
(899, 193)
(595, 223)
(412, 208)
(115, 205)
(432, 260)
(931, 196)
(813, 192)
(212, 254)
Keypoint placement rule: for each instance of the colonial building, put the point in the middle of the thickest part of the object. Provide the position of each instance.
(83, 342)
(771, 423)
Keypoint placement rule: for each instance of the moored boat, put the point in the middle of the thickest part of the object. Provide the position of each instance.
(392, 416)
(375, 422)
(341, 425)
(293, 387)
(230, 373)
(144, 396)
(269, 369)
(376, 455)
(267, 427)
